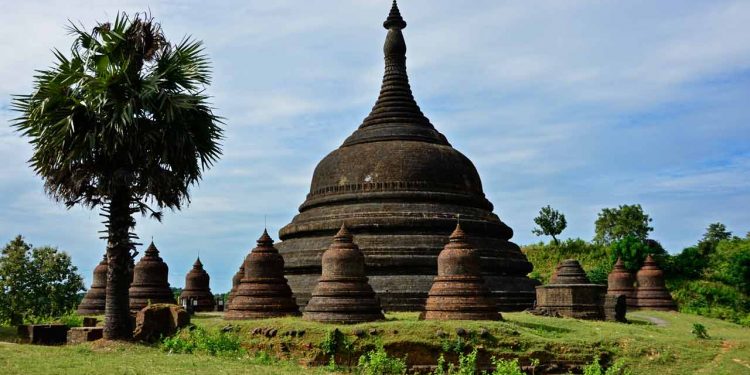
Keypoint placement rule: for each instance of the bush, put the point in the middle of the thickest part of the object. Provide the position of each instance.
(70, 319)
(377, 362)
(198, 340)
(634, 251)
(545, 257)
(617, 368)
(699, 331)
(506, 367)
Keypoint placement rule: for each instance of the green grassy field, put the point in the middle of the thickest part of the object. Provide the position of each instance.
(667, 347)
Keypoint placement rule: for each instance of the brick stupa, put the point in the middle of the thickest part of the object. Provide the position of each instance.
(571, 294)
(621, 282)
(263, 292)
(197, 288)
(150, 281)
(459, 291)
(94, 300)
(651, 292)
(235, 283)
(343, 294)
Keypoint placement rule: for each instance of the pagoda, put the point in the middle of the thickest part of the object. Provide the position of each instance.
(621, 282)
(150, 281)
(399, 186)
(94, 301)
(651, 293)
(197, 288)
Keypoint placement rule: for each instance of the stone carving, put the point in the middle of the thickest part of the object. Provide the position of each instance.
(571, 294)
(342, 294)
(459, 291)
(621, 282)
(263, 291)
(94, 300)
(399, 186)
(197, 288)
(651, 293)
(150, 281)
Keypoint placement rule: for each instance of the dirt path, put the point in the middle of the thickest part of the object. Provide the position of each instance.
(655, 321)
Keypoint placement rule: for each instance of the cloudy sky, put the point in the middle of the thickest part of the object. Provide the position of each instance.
(577, 104)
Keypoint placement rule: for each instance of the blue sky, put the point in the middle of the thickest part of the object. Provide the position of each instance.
(577, 104)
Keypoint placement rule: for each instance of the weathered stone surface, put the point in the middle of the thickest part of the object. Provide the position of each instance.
(197, 288)
(89, 321)
(79, 335)
(459, 291)
(651, 292)
(615, 307)
(94, 300)
(235, 283)
(621, 282)
(150, 281)
(342, 294)
(159, 320)
(263, 292)
(399, 186)
(43, 334)
(570, 294)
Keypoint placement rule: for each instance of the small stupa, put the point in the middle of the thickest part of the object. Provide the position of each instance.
(621, 282)
(571, 294)
(235, 283)
(150, 281)
(459, 291)
(651, 292)
(94, 300)
(263, 292)
(343, 294)
(197, 288)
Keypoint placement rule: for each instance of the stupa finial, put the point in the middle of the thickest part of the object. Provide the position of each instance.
(152, 250)
(265, 239)
(394, 19)
(343, 234)
(458, 234)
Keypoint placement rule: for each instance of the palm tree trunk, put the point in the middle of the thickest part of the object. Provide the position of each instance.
(117, 325)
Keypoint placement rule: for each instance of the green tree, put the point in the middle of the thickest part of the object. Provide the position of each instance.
(716, 232)
(120, 123)
(634, 251)
(551, 222)
(614, 224)
(36, 282)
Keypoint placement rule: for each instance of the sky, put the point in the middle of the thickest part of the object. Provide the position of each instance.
(580, 105)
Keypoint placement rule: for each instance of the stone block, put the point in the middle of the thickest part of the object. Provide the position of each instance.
(78, 335)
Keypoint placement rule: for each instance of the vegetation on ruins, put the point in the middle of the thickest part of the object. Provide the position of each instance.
(123, 125)
(551, 222)
(614, 224)
(36, 283)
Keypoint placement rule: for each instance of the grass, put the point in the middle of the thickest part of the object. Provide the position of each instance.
(646, 348)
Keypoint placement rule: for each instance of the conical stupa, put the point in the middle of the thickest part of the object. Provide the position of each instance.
(570, 293)
(651, 292)
(263, 291)
(399, 186)
(569, 271)
(235, 283)
(459, 292)
(197, 288)
(342, 294)
(94, 301)
(150, 281)
(621, 282)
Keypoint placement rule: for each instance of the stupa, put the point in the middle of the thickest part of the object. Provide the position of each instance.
(651, 292)
(459, 292)
(621, 282)
(150, 281)
(571, 294)
(235, 283)
(263, 291)
(94, 300)
(197, 288)
(399, 186)
(342, 294)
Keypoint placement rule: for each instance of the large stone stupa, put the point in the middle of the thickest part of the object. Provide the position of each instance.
(399, 186)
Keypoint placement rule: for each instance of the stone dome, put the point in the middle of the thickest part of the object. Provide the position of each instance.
(197, 287)
(150, 281)
(94, 301)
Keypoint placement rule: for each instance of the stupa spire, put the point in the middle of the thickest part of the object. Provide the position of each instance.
(394, 18)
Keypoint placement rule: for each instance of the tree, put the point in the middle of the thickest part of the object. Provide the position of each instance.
(634, 251)
(551, 223)
(716, 232)
(120, 123)
(40, 282)
(614, 224)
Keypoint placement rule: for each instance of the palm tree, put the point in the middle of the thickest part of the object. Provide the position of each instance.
(122, 125)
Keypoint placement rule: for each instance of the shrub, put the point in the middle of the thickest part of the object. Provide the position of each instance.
(70, 319)
(377, 362)
(617, 368)
(506, 367)
(198, 340)
(699, 331)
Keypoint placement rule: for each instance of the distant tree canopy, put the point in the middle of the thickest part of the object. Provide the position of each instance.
(633, 251)
(716, 232)
(38, 282)
(614, 224)
(551, 222)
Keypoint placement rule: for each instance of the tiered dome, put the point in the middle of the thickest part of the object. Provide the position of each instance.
(263, 291)
(570, 293)
(651, 292)
(95, 299)
(150, 281)
(342, 294)
(569, 271)
(235, 283)
(621, 282)
(459, 292)
(197, 288)
(399, 186)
